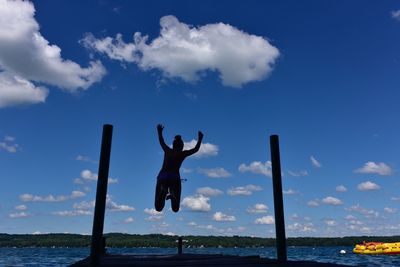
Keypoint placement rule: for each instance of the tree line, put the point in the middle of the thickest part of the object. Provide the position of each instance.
(165, 241)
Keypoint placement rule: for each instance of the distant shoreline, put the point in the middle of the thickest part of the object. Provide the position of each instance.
(119, 240)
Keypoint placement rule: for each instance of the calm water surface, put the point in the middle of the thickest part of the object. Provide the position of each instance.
(66, 256)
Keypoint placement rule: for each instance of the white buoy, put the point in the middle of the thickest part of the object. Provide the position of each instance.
(343, 251)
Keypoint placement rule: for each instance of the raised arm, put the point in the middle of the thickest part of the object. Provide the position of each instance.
(197, 147)
(160, 128)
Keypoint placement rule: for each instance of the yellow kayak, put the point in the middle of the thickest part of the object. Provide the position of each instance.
(374, 248)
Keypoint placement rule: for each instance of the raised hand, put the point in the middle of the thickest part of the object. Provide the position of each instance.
(160, 128)
(200, 135)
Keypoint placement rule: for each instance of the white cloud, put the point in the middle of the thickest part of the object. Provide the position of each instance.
(377, 168)
(265, 220)
(49, 198)
(27, 57)
(197, 203)
(209, 192)
(390, 210)
(187, 52)
(192, 223)
(257, 208)
(300, 227)
(363, 211)
(112, 206)
(21, 207)
(332, 201)
(85, 158)
(367, 186)
(221, 217)
(84, 205)
(88, 176)
(298, 174)
(15, 90)
(206, 149)
(72, 213)
(215, 172)
(315, 162)
(153, 212)
(77, 194)
(313, 203)
(16, 215)
(129, 220)
(244, 190)
(330, 222)
(257, 167)
(396, 14)
(341, 188)
(8, 144)
(289, 192)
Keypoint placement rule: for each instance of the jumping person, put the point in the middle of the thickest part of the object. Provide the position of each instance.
(169, 178)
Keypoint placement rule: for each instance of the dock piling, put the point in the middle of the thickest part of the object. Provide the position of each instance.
(278, 199)
(180, 245)
(98, 242)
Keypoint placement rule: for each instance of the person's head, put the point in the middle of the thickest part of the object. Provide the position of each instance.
(178, 143)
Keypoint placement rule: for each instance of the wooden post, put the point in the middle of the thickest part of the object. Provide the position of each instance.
(180, 245)
(97, 246)
(278, 200)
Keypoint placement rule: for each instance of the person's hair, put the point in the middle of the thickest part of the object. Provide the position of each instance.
(178, 143)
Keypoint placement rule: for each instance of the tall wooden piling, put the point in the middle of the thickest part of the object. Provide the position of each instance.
(180, 245)
(278, 199)
(97, 246)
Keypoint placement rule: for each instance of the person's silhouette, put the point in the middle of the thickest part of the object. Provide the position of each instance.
(169, 178)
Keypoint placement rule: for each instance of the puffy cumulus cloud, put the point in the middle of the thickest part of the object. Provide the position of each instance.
(209, 192)
(197, 203)
(84, 205)
(396, 14)
(152, 211)
(367, 186)
(332, 201)
(290, 192)
(315, 162)
(186, 52)
(375, 168)
(341, 188)
(215, 172)
(265, 220)
(221, 217)
(112, 206)
(368, 213)
(89, 176)
(244, 190)
(257, 208)
(27, 57)
(301, 227)
(17, 215)
(15, 90)
(51, 198)
(206, 149)
(257, 167)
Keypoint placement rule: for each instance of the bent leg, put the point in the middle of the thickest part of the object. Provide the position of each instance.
(175, 190)
(161, 192)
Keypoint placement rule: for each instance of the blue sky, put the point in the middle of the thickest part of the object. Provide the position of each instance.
(322, 75)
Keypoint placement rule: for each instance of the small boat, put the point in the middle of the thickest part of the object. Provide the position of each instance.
(373, 248)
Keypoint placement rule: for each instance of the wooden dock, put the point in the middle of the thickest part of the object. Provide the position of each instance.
(195, 260)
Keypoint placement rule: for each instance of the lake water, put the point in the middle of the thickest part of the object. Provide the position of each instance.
(66, 256)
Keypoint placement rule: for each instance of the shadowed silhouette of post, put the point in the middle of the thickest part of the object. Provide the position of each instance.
(278, 199)
(98, 243)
